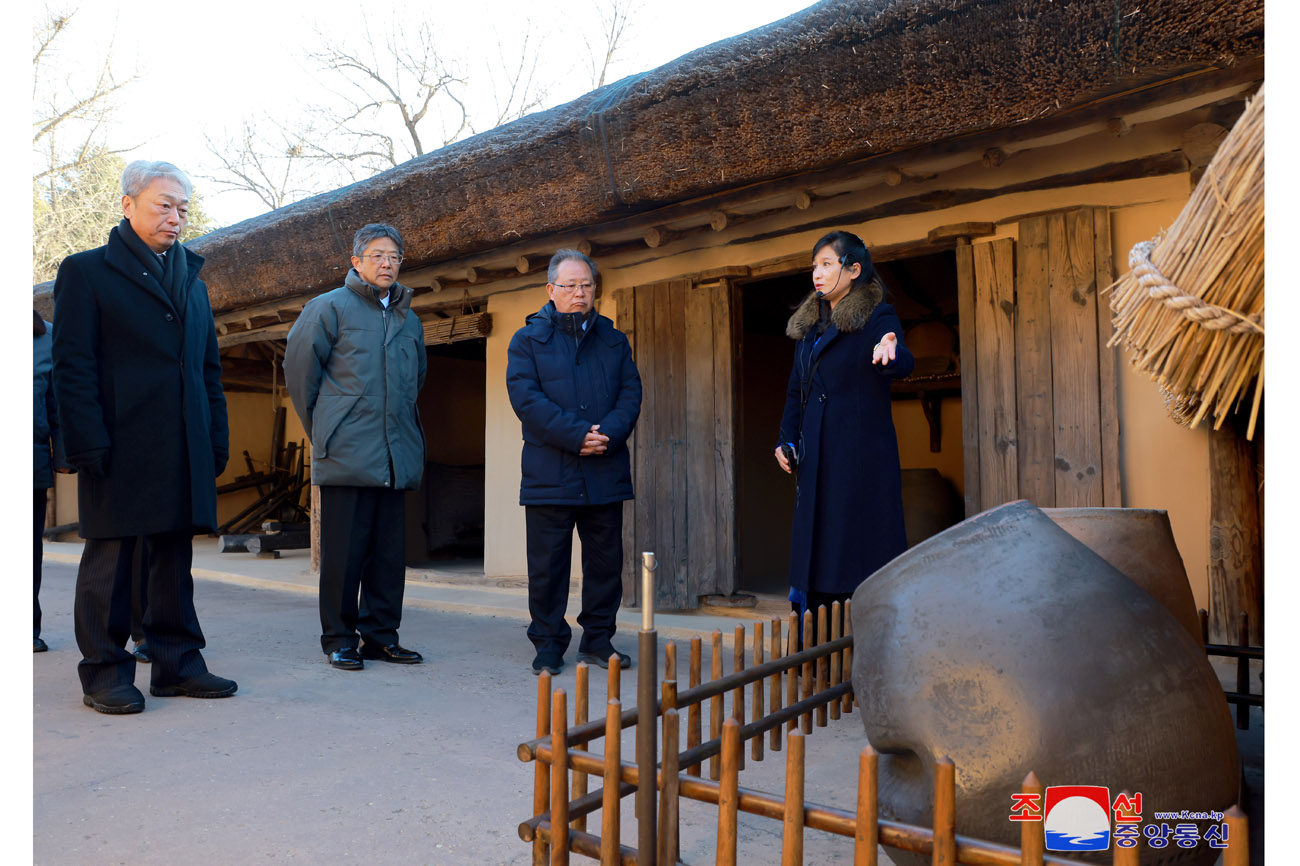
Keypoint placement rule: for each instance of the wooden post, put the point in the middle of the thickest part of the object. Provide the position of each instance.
(729, 793)
(792, 675)
(866, 836)
(609, 808)
(695, 715)
(614, 684)
(945, 817)
(1243, 671)
(774, 687)
(792, 830)
(823, 663)
(669, 787)
(1032, 841)
(1238, 851)
(541, 775)
(1236, 550)
(670, 661)
(738, 695)
(646, 745)
(806, 720)
(849, 699)
(837, 660)
(715, 703)
(756, 747)
(559, 780)
(580, 718)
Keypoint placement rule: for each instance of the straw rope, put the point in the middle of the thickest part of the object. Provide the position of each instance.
(1191, 308)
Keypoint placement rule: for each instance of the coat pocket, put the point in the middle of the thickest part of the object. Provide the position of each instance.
(328, 415)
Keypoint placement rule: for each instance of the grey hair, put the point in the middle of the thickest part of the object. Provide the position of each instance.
(137, 176)
(367, 234)
(562, 256)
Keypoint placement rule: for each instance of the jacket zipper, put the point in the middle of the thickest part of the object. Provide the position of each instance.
(383, 352)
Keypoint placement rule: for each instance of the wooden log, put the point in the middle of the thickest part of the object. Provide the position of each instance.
(756, 745)
(792, 824)
(823, 664)
(729, 795)
(278, 541)
(806, 675)
(579, 787)
(774, 687)
(1118, 126)
(993, 157)
(695, 714)
(542, 772)
(803, 199)
(866, 836)
(952, 231)
(792, 675)
(945, 817)
(718, 220)
(234, 543)
(658, 236)
(1032, 841)
(738, 695)
(837, 659)
(669, 787)
(715, 703)
(559, 780)
(609, 817)
(1236, 548)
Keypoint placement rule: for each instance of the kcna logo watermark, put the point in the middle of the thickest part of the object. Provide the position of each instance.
(1078, 818)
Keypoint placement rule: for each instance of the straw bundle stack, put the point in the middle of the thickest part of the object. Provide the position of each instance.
(1191, 310)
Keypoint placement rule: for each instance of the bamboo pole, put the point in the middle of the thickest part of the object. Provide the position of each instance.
(1238, 851)
(610, 820)
(715, 705)
(866, 838)
(580, 718)
(669, 786)
(1032, 841)
(738, 696)
(559, 781)
(792, 675)
(823, 663)
(756, 745)
(837, 660)
(542, 773)
(774, 687)
(695, 714)
(792, 829)
(729, 795)
(945, 817)
(850, 699)
(806, 675)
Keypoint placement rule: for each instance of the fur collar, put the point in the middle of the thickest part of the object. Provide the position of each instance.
(850, 314)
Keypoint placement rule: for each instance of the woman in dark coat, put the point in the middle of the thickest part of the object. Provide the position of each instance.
(48, 456)
(848, 515)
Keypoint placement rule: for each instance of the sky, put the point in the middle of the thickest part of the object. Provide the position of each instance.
(217, 64)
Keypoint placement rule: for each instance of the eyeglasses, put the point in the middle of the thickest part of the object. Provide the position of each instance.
(382, 259)
(586, 288)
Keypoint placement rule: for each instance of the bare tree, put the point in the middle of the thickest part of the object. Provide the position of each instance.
(273, 166)
(515, 91)
(615, 16)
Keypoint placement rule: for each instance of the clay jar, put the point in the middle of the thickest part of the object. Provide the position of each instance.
(1008, 646)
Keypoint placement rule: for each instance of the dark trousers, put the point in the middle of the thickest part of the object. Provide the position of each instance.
(550, 552)
(102, 611)
(362, 546)
(139, 596)
(37, 556)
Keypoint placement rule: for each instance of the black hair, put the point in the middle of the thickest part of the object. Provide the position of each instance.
(851, 250)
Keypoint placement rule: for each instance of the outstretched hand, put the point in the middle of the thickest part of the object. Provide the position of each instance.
(885, 350)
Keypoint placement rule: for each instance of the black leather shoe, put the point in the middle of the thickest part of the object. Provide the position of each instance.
(38, 645)
(549, 662)
(395, 653)
(347, 659)
(142, 653)
(205, 685)
(116, 701)
(600, 658)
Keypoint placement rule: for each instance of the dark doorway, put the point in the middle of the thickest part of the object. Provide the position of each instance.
(444, 518)
(765, 494)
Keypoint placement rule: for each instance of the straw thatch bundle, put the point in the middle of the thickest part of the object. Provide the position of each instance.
(1191, 310)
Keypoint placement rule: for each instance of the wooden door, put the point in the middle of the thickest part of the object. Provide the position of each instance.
(1039, 406)
(683, 453)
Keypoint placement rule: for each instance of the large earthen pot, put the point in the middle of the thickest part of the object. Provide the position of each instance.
(1139, 542)
(1008, 646)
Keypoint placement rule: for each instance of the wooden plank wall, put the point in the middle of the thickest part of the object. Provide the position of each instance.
(682, 449)
(1041, 418)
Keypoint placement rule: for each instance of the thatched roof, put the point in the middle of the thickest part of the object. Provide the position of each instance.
(842, 80)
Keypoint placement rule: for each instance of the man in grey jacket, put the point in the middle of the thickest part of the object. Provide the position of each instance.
(354, 363)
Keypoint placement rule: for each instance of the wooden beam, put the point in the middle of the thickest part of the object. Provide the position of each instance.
(1236, 541)
(952, 231)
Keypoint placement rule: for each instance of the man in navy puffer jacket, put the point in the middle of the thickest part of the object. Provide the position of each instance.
(573, 384)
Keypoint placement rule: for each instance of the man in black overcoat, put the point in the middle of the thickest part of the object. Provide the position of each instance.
(138, 381)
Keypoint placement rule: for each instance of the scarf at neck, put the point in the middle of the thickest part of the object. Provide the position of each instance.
(170, 272)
